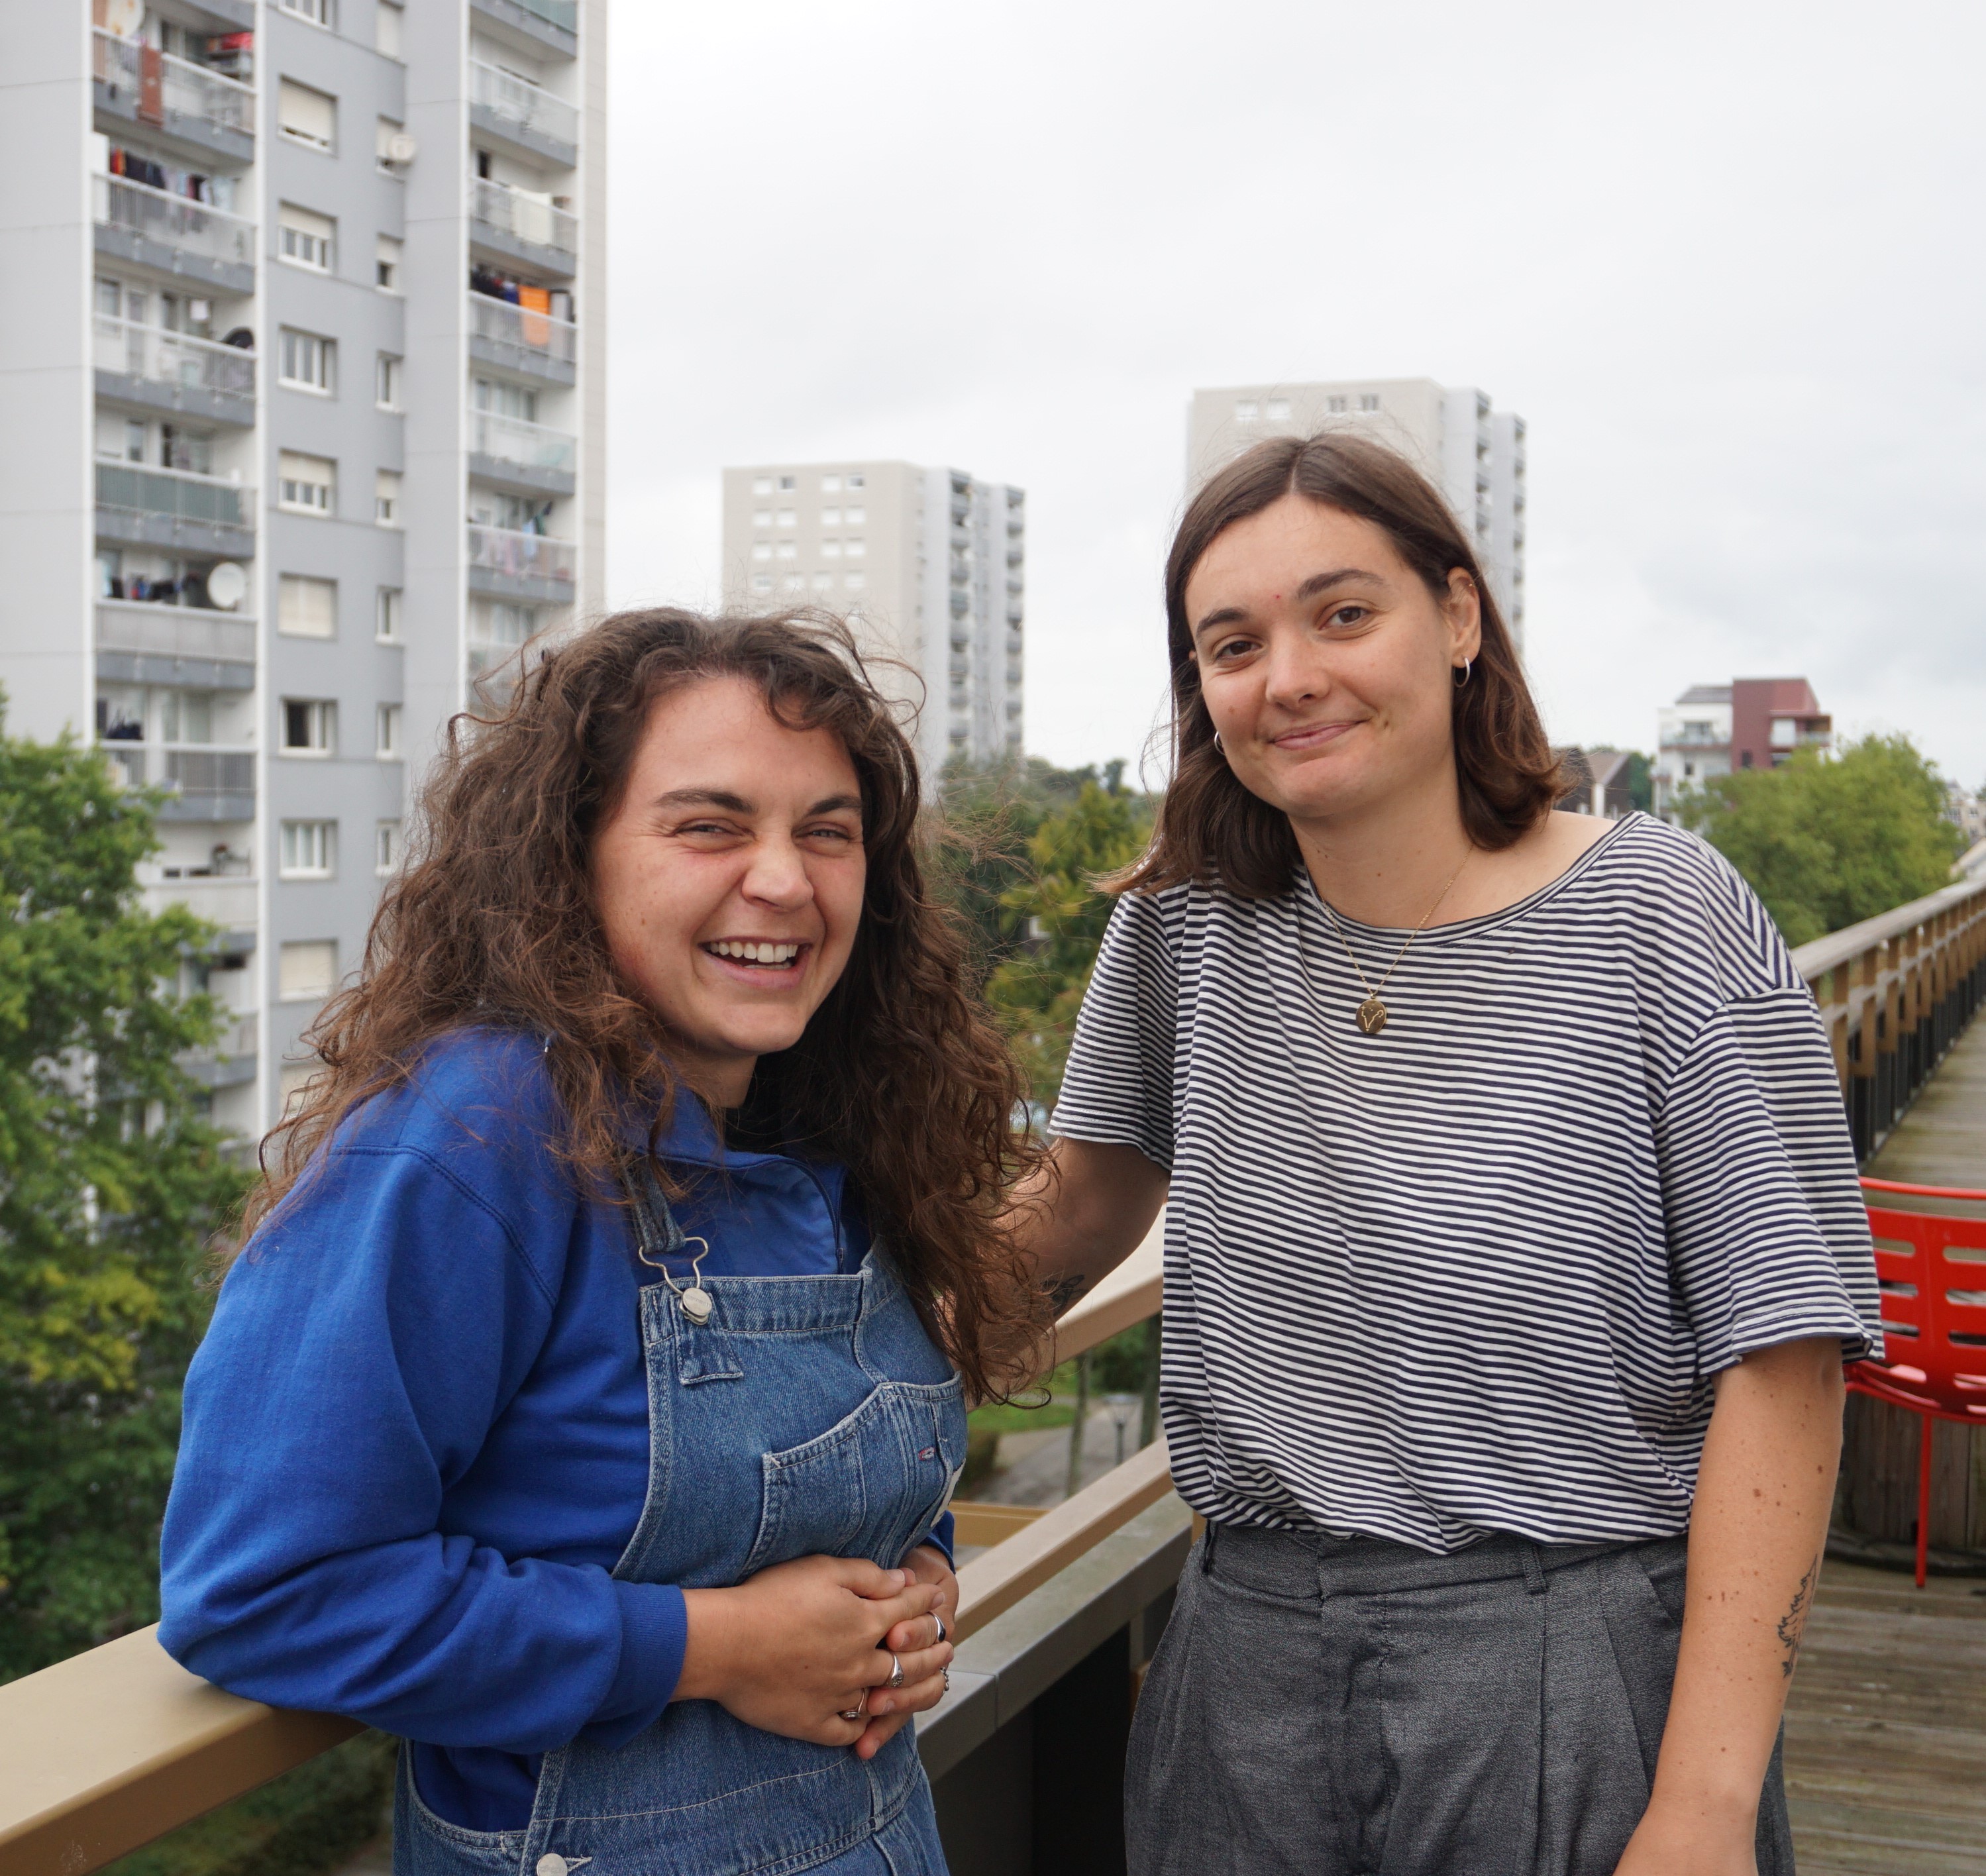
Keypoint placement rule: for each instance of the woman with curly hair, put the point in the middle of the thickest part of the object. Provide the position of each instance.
(584, 1406)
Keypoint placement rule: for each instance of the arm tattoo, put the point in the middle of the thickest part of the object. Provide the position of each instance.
(1063, 1292)
(1792, 1624)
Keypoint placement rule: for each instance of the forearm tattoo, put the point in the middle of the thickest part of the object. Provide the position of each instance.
(1792, 1624)
(1063, 1293)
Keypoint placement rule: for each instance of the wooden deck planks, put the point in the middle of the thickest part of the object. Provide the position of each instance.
(1941, 1140)
(1886, 1730)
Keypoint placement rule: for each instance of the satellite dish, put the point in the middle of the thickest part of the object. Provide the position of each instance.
(401, 148)
(123, 18)
(225, 583)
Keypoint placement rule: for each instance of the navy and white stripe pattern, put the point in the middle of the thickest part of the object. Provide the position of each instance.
(1474, 1274)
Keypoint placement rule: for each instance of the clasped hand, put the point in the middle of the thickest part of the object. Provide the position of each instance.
(798, 1647)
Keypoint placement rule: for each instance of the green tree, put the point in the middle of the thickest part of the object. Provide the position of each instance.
(1038, 990)
(1826, 843)
(110, 1184)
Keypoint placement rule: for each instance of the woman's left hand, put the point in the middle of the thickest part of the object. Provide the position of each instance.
(890, 1707)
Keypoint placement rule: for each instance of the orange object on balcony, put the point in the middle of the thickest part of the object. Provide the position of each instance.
(1933, 1360)
(535, 305)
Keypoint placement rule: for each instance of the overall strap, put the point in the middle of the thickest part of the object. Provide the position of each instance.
(657, 1234)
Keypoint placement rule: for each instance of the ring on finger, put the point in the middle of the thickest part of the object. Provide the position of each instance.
(896, 1673)
(939, 1620)
(855, 1712)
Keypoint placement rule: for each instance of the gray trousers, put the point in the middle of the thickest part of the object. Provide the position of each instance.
(1353, 1707)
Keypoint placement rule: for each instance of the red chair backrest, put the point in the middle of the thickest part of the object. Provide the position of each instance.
(1933, 1271)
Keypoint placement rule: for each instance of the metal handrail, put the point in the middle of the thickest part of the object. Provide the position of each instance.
(544, 225)
(118, 202)
(161, 357)
(520, 555)
(501, 322)
(183, 494)
(530, 445)
(530, 107)
(191, 89)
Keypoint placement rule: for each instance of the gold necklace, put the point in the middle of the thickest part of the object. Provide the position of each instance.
(1371, 1015)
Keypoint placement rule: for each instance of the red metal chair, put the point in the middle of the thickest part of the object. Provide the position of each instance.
(1933, 1321)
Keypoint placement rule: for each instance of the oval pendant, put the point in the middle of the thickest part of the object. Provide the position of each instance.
(697, 1305)
(1372, 1017)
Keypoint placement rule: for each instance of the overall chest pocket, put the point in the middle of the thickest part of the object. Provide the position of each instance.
(870, 1486)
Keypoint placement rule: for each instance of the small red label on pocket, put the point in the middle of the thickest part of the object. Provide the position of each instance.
(930, 1452)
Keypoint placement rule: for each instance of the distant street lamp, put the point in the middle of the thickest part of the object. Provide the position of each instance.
(1122, 1409)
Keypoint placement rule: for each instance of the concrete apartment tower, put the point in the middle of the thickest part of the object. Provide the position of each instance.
(302, 377)
(1472, 452)
(929, 567)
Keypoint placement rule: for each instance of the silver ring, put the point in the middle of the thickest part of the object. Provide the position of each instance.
(854, 1713)
(896, 1673)
(939, 1620)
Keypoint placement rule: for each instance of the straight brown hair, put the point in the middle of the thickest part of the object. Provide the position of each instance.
(1211, 830)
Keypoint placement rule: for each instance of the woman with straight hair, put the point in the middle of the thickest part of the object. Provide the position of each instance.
(585, 1405)
(1513, 1243)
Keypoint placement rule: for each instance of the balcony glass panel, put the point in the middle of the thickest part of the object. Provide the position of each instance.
(500, 323)
(172, 221)
(159, 357)
(208, 771)
(530, 445)
(517, 101)
(521, 556)
(522, 216)
(560, 12)
(177, 493)
(189, 90)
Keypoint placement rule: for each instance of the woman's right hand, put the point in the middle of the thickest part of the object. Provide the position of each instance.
(794, 1648)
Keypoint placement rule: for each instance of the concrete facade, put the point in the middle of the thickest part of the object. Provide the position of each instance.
(254, 344)
(1474, 453)
(928, 566)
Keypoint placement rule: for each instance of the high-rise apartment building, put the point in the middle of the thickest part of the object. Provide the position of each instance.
(929, 567)
(1472, 452)
(1714, 730)
(300, 366)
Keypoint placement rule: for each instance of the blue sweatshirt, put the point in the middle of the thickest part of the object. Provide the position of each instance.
(416, 1436)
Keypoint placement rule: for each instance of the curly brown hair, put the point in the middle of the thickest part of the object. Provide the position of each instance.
(900, 1074)
(1210, 828)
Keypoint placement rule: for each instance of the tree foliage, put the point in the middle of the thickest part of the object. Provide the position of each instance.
(1827, 843)
(110, 1183)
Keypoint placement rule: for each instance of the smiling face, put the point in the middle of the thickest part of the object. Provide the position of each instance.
(1326, 664)
(729, 880)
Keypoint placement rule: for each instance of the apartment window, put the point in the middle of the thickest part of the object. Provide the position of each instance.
(762, 583)
(307, 116)
(762, 517)
(857, 482)
(386, 498)
(831, 485)
(830, 549)
(387, 615)
(831, 517)
(857, 549)
(787, 551)
(1337, 406)
(1279, 410)
(854, 582)
(305, 362)
(308, 849)
(385, 841)
(386, 732)
(307, 968)
(386, 264)
(310, 725)
(1246, 411)
(387, 20)
(319, 12)
(761, 485)
(1368, 400)
(306, 484)
(788, 518)
(386, 382)
(822, 582)
(304, 238)
(855, 516)
(306, 608)
(794, 583)
(762, 550)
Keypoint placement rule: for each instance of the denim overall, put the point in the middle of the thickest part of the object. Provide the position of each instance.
(807, 1415)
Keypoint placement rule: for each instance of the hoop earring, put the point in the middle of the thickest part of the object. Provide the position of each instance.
(1219, 747)
(1468, 667)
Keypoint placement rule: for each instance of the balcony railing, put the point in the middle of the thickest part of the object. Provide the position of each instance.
(227, 900)
(563, 13)
(188, 89)
(517, 102)
(172, 358)
(524, 217)
(516, 555)
(174, 494)
(173, 221)
(529, 446)
(531, 340)
(163, 628)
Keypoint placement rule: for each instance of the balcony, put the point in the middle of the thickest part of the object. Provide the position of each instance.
(172, 371)
(140, 642)
(205, 113)
(202, 784)
(505, 562)
(228, 901)
(522, 226)
(513, 338)
(553, 25)
(174, 508)
(172, 235)
(517, 455)
(516, 111)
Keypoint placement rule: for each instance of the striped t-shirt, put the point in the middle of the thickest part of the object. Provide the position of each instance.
(1475, 1273)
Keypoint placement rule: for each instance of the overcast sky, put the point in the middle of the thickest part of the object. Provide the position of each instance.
(1725, 259)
